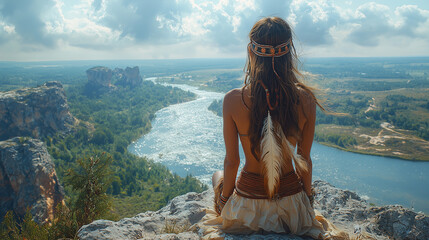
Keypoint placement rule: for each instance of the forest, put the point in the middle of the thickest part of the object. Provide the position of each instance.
(108, 123)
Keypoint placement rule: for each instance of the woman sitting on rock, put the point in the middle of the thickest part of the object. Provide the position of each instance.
(273, 114)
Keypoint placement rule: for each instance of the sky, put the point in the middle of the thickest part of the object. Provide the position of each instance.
(47, 30)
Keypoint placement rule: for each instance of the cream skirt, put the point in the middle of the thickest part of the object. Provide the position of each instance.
(292, 214)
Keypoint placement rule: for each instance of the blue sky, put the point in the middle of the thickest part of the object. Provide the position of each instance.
(38, 30)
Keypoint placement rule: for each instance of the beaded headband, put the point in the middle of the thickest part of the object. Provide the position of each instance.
(270, 51)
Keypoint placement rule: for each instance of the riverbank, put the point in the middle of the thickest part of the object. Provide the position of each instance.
(384, 142)
(352, 150)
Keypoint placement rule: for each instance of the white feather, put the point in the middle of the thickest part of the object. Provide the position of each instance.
(300, 163)
(271, 153)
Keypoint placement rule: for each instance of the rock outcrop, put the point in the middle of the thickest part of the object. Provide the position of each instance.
(35, 112)
(345, 209)
(128, 77)
(28, 179)
(99, 80)
(99, 76)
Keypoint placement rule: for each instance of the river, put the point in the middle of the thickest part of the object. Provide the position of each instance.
(187, 138)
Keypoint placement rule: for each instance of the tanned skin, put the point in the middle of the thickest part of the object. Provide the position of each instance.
(236, 119)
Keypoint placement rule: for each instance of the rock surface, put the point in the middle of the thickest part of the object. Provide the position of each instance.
(35, 112)
(99, 76)
(28, 179)
(128, 77)
(344, 208)
(99, 80)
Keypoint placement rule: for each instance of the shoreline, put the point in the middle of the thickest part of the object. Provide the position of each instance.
(369, 153)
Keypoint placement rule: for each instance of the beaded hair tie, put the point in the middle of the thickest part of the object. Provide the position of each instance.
(267, 94)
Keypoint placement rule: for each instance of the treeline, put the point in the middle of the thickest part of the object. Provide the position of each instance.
(339, 140)
(370, 74)
(370, 68)
(362, 84)
(15, 77)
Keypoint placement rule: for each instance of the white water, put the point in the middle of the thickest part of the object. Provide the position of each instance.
(187, 138)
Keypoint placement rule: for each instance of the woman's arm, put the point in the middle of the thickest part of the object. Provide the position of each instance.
(306, 141)
(230, 134)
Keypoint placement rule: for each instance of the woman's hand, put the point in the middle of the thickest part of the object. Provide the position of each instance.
(221, 203)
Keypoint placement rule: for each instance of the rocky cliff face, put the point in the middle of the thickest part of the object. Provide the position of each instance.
(28, 179)
(35, 112)
(343, 208)
(99, 77)
(99, 80)
(128, 77)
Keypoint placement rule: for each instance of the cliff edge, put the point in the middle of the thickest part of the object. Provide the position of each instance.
(28, 179)
(179, 218)
(37, 112)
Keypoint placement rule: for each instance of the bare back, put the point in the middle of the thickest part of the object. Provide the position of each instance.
(237, 121)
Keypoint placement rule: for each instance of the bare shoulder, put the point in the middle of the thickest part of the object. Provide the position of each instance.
(307, 102)
(232, 97)
(232, 94)
(232, 100)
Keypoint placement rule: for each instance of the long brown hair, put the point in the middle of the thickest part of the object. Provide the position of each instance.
(273, 31)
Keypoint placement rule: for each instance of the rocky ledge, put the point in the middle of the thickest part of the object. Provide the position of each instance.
(179, 218)
(36, 112)
(28, 179)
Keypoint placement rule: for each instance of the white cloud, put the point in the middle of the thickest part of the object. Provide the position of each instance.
(205, 28)
(374, 22)
(28, 21)
(313, 20)
(412, 21)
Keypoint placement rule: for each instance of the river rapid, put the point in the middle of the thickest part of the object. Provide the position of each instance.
(187, 138)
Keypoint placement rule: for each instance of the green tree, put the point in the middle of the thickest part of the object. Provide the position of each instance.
(9, 228)
(64, 224)
(26, 229)
(91, 180)
(31, 230)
